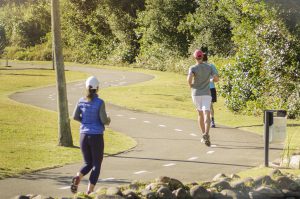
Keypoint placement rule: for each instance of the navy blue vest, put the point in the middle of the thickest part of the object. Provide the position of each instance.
(91, 122)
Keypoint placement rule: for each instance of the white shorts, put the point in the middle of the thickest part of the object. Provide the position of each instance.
(202, 103)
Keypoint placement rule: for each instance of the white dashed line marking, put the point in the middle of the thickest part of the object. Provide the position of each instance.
(169, 165)
(193, 134)
(62, 188)
(132, 118)
(139, 172)
(161, 125)
(147, 122)
(178, 130)
(213, 146)
(119, 115)
(210, 152)
(106, 179)
(193, 158)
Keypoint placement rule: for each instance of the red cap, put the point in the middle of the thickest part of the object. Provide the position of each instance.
(198, 54)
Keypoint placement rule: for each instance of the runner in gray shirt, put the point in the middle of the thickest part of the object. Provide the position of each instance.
(198, 79)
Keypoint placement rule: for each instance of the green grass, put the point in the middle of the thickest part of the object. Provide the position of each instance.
(168, 94)
(28, 135)
(261, 171)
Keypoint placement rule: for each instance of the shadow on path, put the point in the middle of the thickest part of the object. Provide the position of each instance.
(183, 161)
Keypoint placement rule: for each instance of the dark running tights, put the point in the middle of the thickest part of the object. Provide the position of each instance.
(92, 148)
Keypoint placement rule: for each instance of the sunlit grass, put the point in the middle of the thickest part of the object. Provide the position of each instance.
(168, 94)
(28, 135)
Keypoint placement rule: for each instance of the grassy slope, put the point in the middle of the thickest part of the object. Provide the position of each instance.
(25, 147)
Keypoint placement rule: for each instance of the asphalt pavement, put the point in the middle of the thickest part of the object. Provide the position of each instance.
(167, 146)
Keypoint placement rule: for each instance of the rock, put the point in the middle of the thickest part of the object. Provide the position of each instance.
(275, 173)
(108, 197)
(286, 183)
(199, 192)
(230, 194)
(234, 176)
(263, 180)
(219, 177)
(242, 185)
(180, 193)
(265, 192)
(149, 194)
(130, 194)
(206, 184)
(288, 193)
(113, 191)
(155, 186)
(163, 179)
(221, 185)
(21, 197)
(175, 184)
(41, 197)
(164, 193)
(134, 185)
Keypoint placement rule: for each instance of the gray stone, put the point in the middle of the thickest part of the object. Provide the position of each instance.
(289, 193)
(263, 180)
(163, 179)
(41, 197)
(234, 176)
(199, 192)
(155, 186)
(265, 192)
(242, 185)
(180, 193)
(134, 186)
(175, 184)
(103, 196)
(206, 184)
(149, 194)
(164, 193)
(286, 183)
(21, 197)
(221, 185)
(230, 194)
(275, 173)
(219, 177)
(228, 179)
(113, 191)
(130, 194)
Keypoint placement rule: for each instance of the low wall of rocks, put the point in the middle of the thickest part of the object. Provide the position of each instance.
(273, 186)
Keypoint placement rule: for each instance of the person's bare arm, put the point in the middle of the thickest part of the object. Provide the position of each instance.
(216, 78)
(103, 116)
(190, 79)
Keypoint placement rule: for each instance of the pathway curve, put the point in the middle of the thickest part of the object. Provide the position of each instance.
(167, 146)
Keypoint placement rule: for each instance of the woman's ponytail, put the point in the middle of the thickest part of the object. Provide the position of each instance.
(90, 94)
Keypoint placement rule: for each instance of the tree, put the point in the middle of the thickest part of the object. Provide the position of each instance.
(3, 40)
(159, 30)
(64, 129)
(209, 27)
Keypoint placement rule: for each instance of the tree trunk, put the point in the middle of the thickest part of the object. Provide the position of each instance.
(64, 129)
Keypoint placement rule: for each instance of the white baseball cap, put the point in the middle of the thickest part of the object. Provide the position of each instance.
(92, 82)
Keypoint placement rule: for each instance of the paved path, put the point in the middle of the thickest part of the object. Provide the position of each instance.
(166, 145)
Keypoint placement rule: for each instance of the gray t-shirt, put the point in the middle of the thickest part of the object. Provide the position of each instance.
(202, 73)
